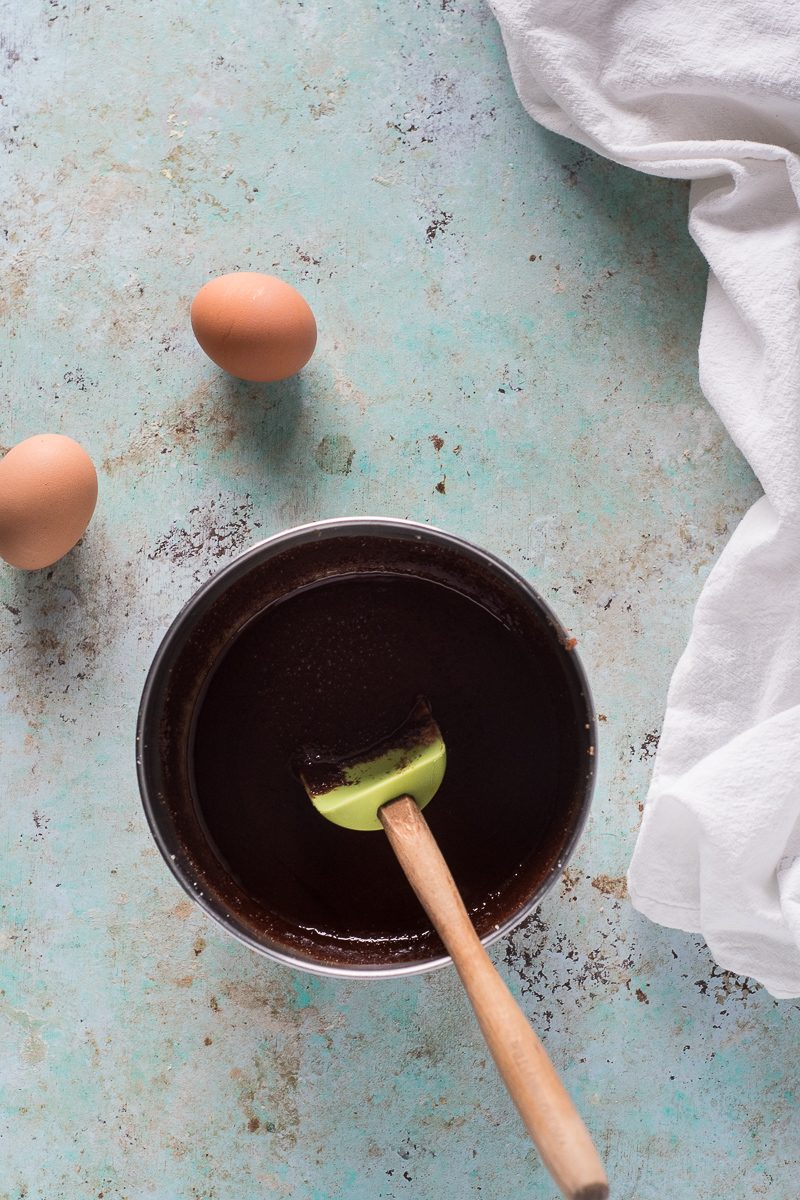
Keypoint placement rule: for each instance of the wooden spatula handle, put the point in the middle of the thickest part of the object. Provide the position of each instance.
(550, 1116)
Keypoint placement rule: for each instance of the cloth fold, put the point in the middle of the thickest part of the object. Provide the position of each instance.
(712, 94)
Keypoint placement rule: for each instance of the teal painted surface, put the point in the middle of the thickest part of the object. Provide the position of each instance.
(475, 280)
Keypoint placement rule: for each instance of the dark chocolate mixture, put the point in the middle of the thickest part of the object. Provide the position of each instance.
(338, 665)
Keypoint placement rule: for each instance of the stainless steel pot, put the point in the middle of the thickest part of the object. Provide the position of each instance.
(186, 656)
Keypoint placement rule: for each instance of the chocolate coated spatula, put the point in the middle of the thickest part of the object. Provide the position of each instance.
(386, 786)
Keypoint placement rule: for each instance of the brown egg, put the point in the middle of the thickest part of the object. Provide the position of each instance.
(255, 326)
(48, 490)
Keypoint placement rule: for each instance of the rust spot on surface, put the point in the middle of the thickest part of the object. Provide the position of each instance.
(641, 996)
(570, 643)
(437, 225)
(253, 1125)
(41, 822)
(214, 1004)
(329, 103)
(335, 453)
(212, 530)
(182, 910)
(441, 486)
(200, 416)
(184, 981)
(649, 746)
(437, 441)
(207, 1041)
(34, 1049)
(199, 944)
(570, 880)
(611, 885)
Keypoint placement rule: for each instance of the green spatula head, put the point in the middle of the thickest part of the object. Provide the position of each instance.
(409, 762)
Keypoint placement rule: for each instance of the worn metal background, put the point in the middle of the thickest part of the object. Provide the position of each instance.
(508, 330)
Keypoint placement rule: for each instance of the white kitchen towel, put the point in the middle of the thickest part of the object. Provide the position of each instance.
(711, 92)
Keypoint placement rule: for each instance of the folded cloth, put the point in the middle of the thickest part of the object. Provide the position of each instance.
(711, 93)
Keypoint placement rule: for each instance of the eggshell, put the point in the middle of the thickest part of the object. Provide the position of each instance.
(48, 490)
(255, 326)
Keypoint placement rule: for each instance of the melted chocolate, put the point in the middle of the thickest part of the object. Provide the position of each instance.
(337, 664)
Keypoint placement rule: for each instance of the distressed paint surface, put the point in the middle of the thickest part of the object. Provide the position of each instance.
(507, 348)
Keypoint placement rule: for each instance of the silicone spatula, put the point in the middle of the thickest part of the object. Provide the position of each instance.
(386, 787)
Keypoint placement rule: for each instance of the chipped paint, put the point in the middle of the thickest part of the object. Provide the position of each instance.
(611, 887)
(498, 309)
